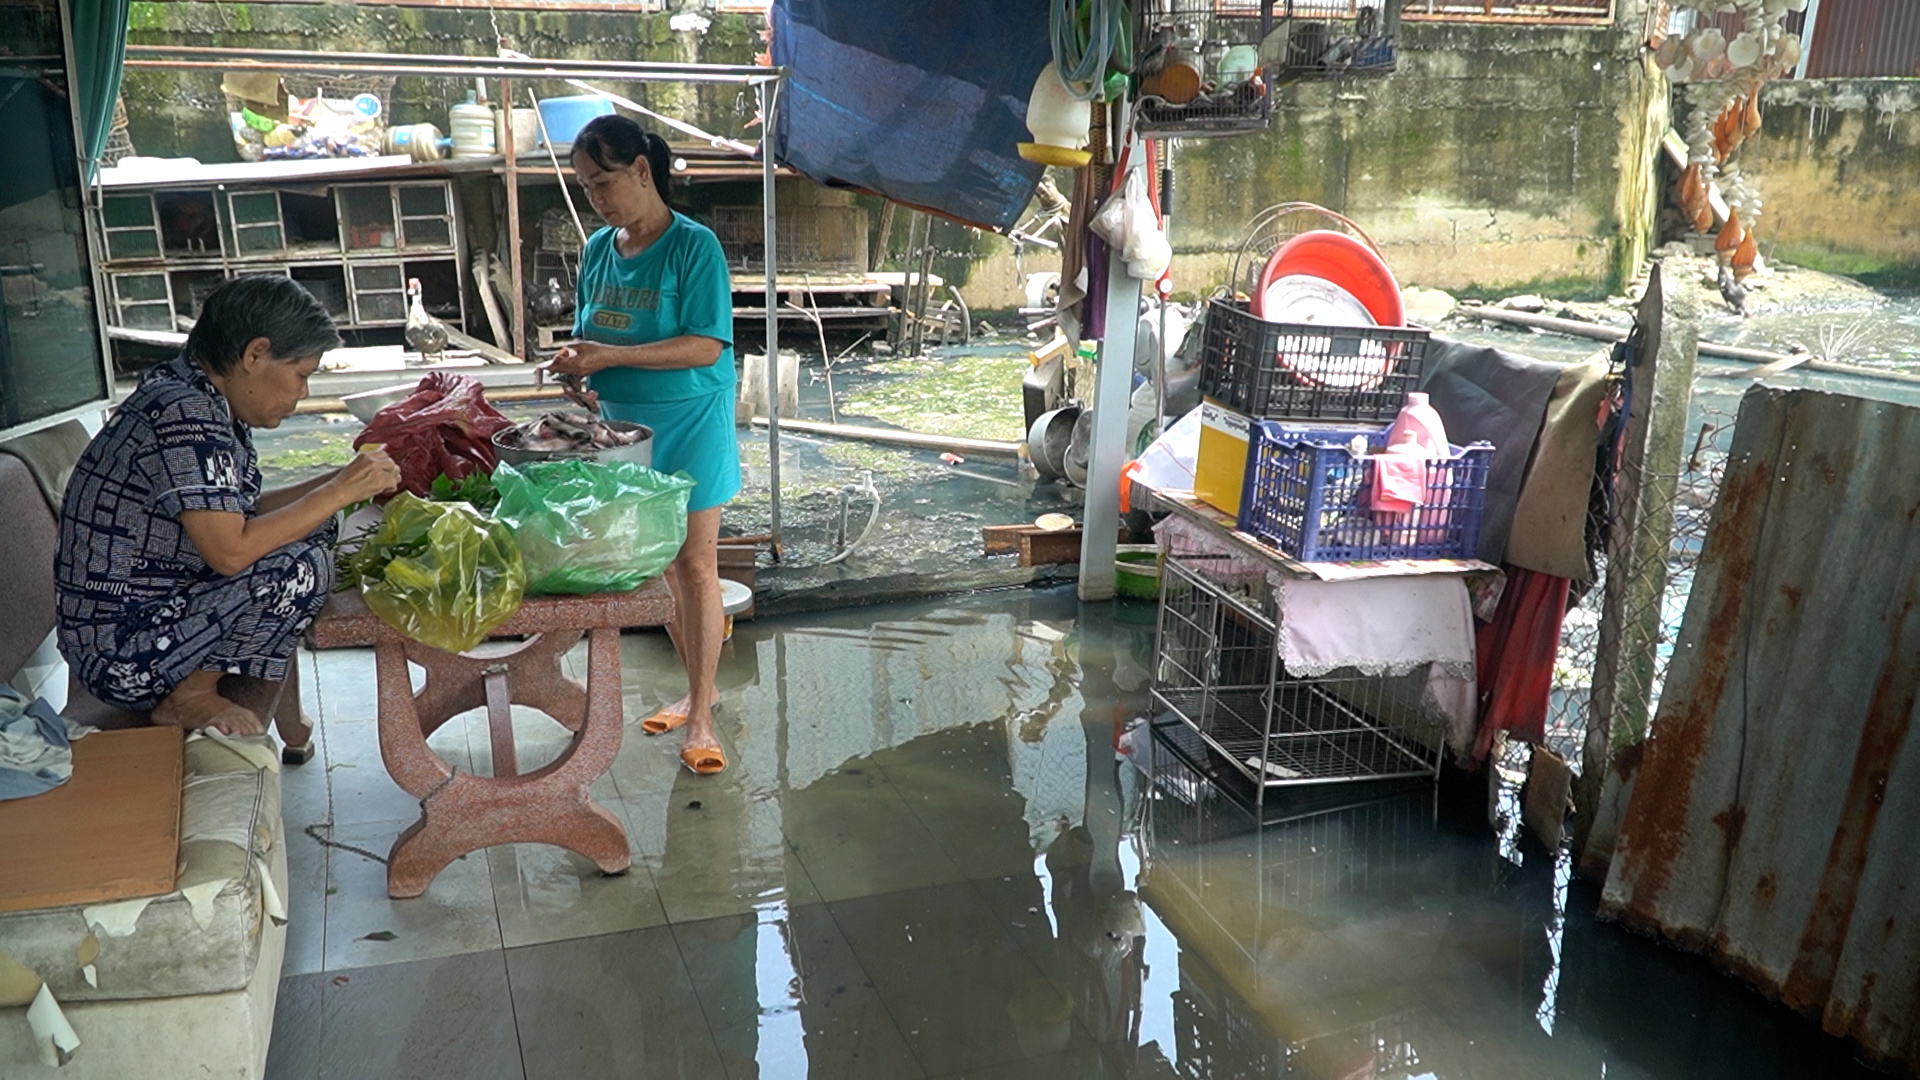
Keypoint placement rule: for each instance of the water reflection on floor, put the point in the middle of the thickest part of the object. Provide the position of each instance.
(950, 845)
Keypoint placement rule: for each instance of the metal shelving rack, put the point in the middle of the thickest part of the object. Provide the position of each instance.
(384, 232)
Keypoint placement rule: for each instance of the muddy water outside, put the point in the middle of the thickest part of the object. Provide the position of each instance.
(1036, 886)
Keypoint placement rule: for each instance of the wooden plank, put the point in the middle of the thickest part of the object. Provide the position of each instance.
(1768, 371)
(1041, 548)
(111, 833)
(1632, 603)
(486, 351)
(1003, 539)
(1224, 528)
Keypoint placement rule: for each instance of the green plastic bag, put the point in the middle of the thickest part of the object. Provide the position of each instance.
(593, 526)
(443, 574)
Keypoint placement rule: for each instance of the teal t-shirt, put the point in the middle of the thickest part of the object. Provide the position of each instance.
(678, 286)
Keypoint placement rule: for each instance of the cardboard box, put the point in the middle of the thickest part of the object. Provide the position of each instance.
(1221, 466)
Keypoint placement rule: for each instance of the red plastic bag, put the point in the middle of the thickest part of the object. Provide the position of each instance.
(445, 426)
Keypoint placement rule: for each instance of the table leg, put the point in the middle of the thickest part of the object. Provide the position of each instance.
(462, 812)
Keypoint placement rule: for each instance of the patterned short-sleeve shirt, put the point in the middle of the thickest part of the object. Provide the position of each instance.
(172, 446)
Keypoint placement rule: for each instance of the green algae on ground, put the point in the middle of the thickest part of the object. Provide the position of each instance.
(309, 453)
(969, 397)
(879, 460)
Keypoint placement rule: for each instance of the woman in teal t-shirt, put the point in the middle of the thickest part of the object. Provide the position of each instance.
(655, 316)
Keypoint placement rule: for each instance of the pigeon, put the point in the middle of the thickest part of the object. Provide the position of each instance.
(1155, 51)
(1734, 293)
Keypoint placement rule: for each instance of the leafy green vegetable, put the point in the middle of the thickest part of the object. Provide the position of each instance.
(360, 557)
(476, 490)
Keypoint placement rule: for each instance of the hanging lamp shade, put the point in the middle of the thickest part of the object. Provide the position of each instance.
(1058, 121)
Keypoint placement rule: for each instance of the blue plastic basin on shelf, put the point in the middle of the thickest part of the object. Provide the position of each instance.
(562, 117)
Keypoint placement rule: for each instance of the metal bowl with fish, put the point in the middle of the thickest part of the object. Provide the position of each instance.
(557, 437)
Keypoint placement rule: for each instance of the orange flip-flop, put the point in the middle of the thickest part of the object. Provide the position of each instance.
(662, 722)
(704, 760)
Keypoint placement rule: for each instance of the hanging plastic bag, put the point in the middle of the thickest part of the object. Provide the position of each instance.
(443, 574)
(1126, 221)
(593, 526)
(444, 428)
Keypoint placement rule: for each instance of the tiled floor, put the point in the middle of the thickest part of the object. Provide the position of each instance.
(928, 861)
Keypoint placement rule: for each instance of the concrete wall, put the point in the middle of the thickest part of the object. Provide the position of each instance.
(1498, 159)
(1837, 163)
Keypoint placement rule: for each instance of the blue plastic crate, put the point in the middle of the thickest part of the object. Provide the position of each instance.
(1306, 494)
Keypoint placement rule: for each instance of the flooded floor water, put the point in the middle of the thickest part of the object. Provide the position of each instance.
(950, 845)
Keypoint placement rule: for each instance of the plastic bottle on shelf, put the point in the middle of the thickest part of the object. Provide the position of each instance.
(471, 125)
(1420, 417)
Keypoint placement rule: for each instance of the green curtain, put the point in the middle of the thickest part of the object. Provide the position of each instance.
(99, 29)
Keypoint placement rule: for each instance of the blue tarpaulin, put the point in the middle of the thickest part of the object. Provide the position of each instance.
(921, 101)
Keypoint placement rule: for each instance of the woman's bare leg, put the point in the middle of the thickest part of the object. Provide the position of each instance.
(680, 707)
(699, 621)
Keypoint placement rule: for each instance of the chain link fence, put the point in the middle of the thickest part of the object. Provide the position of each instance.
(1695, 488)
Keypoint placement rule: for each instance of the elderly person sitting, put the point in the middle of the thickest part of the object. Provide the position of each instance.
(175, 569)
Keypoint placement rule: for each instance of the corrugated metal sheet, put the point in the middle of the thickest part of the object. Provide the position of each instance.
(1860, 39)
(1775, 820)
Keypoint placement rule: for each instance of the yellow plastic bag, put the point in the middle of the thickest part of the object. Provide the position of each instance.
(443, 574)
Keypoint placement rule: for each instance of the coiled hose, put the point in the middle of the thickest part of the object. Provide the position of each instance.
(1082, 54)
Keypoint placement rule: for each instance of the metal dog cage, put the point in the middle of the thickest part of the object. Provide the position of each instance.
(1217, 668)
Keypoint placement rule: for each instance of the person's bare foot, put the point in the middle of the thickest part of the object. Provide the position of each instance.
(295, 728)
(196, 703)
(669, 717)
(700, 733)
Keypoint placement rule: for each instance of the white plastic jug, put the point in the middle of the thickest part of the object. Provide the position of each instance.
(471, 125)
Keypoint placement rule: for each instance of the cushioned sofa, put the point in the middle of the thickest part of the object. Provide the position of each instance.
(184, 984)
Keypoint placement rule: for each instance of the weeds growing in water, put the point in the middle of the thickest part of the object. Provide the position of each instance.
(1836, 339)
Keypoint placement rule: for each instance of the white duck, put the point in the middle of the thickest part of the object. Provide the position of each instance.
(425, 334)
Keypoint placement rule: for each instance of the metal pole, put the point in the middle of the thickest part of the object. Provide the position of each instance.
(924, 278)
(769, 94)
(517, 314)
(454, 65)
(1112, 394)
(1160, 356)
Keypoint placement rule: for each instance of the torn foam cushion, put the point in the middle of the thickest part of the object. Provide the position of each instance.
(162, 946)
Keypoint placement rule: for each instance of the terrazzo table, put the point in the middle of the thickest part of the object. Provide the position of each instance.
(462, 812)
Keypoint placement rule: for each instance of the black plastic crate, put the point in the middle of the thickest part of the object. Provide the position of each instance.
(1301, 371)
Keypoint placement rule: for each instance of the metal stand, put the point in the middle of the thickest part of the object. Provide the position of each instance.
(1113, 395)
